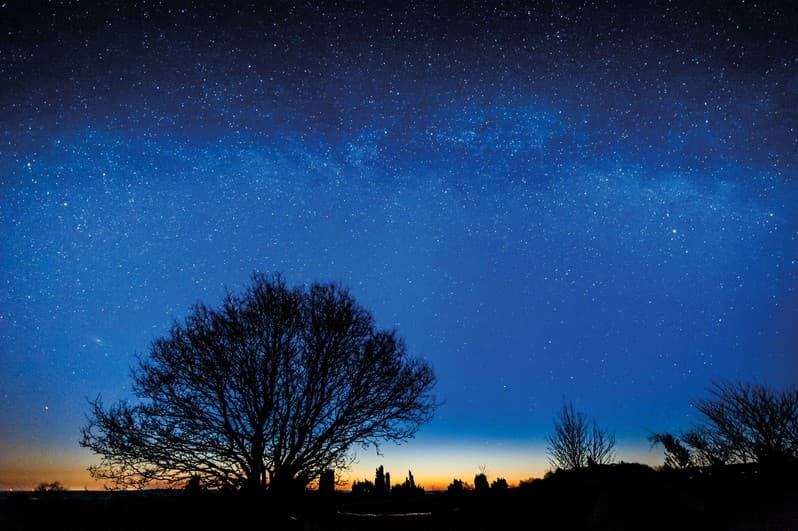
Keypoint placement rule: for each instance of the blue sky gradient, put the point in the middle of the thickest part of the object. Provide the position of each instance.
(554, 202)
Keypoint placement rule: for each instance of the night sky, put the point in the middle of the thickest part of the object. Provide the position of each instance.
(549, 201)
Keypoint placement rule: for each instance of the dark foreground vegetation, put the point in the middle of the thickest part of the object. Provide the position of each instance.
(242, 407)
(606, 497)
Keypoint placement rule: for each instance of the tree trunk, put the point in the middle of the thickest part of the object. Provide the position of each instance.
(284, 484)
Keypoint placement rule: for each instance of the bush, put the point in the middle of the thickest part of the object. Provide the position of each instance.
(499, 484)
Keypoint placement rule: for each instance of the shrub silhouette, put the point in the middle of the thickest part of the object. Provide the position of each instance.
(361, 488)
(52, 487)
(457, 486)
(408, 488)
(499, 484)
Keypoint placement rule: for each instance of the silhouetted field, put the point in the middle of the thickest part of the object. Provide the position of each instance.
(648, 501)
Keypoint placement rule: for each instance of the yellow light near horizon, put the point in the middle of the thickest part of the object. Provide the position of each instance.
(28, 478)
(434, 464)
(25, 469)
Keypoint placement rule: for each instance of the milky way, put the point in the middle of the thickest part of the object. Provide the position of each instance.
(548, 202)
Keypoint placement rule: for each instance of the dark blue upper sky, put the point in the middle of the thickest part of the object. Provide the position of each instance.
(548, 201)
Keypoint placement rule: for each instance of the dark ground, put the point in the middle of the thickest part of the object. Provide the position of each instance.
(644, 503)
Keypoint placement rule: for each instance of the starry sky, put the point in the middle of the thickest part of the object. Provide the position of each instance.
(549, 201)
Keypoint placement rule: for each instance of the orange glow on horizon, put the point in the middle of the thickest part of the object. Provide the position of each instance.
(435, 484)
(434, 466)
(24, 478)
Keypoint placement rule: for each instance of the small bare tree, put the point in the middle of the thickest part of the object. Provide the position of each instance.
(578, 442)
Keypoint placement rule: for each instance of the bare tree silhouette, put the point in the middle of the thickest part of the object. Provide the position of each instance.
(739, 423)
(747, 423)
(265, 392)
(578, 442)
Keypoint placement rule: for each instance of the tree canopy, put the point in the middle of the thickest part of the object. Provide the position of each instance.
(265, 392)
